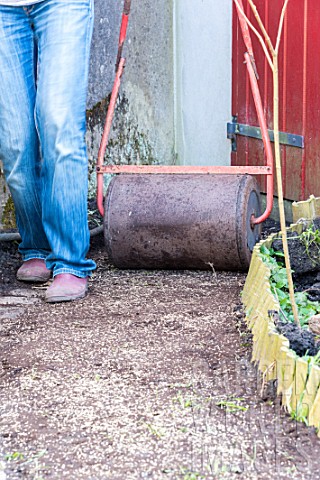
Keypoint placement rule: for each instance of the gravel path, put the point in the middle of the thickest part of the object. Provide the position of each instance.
(149, 377)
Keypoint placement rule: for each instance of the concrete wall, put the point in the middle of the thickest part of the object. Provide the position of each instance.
(176, 92)
(144, 121)
(177, 84)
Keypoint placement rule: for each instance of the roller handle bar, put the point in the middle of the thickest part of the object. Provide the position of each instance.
(120, 63)
(123, 30)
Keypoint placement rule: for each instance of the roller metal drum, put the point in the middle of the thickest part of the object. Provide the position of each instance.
(181, 221)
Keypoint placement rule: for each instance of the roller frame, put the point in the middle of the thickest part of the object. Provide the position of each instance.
(267, 170)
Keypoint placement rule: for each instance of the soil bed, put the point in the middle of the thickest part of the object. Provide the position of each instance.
(302, 341)
(304, 250)
(149, 376)
(304, 253)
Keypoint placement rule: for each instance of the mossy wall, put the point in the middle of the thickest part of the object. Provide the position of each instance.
(143, 127)
(127, 144)
(5, 216)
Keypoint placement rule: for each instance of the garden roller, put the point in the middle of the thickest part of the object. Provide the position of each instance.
(182, 217)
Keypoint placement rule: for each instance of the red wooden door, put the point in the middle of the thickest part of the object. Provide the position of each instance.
(299, 68)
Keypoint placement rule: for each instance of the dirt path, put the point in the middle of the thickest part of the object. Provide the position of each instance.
(149, 377)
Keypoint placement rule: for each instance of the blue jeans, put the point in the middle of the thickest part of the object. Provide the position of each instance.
(44, 62)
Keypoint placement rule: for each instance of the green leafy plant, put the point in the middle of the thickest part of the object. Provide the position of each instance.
(310, 237)
(279, 288)
(14, 457)
(35, 467)
(300, 414)
(232, 405)
(155, 430)
(190, 474)
(183, 401)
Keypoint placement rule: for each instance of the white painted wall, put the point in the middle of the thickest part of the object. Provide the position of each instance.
(203, 40)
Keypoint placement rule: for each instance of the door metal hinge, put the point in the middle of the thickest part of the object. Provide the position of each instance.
(234, 128)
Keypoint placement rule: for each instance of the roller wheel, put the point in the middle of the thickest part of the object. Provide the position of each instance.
(181, 221)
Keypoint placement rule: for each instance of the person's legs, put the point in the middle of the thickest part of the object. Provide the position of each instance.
(19, 146)
(63, 31)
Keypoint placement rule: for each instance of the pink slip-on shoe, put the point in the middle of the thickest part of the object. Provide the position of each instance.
(66, 287)
(34, 270)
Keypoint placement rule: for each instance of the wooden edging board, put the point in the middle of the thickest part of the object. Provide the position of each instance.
(298, 381)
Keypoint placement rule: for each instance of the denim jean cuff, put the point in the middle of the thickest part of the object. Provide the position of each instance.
(71, 271)
(33, 256)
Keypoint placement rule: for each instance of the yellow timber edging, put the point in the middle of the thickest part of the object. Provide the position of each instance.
(298, 380)
(308, 209)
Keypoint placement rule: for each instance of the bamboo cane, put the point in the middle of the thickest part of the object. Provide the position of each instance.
(274, 51)
(280, 189)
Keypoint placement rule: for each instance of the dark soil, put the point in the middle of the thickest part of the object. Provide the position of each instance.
(269, 227)
(149, 376)
(305, 263)
(94, 217)
(304, 259)
(10, 260)
(302, 341)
